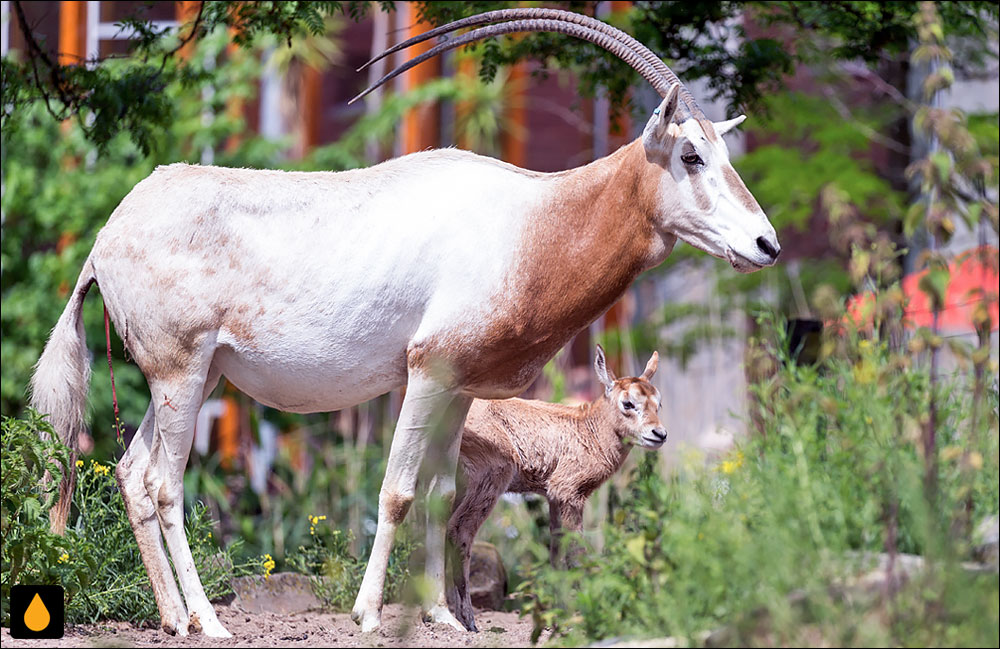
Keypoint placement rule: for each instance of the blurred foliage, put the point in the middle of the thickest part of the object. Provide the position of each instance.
(764, 543)
(702, 40)
(127, 96)
(815, 148)
(97, 560)
(710, 41)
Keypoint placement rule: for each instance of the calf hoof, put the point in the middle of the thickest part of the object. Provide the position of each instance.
(466, 616)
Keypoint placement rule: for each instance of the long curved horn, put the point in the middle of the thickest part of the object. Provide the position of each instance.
(551, 14)
(558, 26)
(618, 42)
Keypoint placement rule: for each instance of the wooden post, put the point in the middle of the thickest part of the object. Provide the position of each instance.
(421, 126)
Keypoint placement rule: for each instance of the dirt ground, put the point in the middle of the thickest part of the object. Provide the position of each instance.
(401, 627)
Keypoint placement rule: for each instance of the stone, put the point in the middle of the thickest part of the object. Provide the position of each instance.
(283, 593)
(986, 541)
(487, 577)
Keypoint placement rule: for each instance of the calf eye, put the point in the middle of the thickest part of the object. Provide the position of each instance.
(628, 405)
(692, 159)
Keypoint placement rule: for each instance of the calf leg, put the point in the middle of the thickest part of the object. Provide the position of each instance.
(571, 514)
(425, 404)
(440, 499)
(141, 512)
(555, 533)
(482, 493)
(177, 403)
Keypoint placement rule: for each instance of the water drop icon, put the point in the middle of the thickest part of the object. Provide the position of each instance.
(37, 616)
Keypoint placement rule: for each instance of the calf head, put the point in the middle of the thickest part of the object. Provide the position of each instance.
(634, 402)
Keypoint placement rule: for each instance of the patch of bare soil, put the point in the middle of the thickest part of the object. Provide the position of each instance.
(401, 627)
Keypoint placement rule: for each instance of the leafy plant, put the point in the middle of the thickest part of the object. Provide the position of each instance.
(328, 555)
(97, 560)
(31, 554)
(759, 543)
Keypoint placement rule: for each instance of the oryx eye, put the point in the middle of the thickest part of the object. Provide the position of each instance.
(692, 159)
(628, 405)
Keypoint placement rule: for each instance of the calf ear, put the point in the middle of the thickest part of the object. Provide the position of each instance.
(654, 362)
(604, 375)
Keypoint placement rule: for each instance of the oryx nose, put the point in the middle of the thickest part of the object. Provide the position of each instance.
(769, 249)
(660, 433)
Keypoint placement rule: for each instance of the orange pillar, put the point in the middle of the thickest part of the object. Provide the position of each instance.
(235, 107)
(421, 126)
(310, 101)
(229, 432)
(72, 32)
(618, 134)
(467, 72)
(513, 139)
(621, 126)
(186, 12)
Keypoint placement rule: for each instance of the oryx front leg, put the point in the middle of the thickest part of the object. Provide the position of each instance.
(177, 403)
(424, 408)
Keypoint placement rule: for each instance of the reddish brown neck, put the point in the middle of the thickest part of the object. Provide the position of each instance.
(592, 237)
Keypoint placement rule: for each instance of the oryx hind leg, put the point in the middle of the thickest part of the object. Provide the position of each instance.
(141, 512)
(177, 400)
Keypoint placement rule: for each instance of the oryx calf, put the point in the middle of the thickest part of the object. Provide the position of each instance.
(561, 452)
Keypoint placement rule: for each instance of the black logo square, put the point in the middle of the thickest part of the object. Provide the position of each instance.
(37, 612)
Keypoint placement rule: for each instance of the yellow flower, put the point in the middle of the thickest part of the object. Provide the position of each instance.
(63, 558)
(864, 372)
(101, 469)
(730, 466)
(268, 565)
(79, 463)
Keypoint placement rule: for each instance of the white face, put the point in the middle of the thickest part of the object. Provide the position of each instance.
(637, 400)
(703, 200)
(639, 406)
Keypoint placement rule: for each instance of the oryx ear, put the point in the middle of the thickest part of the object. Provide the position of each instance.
(657, 126)
(654, 362)
(604, 375)
(724, 127)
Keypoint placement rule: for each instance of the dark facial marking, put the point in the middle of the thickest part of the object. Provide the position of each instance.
(740, 191)
(701, 199)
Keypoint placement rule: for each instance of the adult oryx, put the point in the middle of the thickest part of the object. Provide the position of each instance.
(453, 274)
